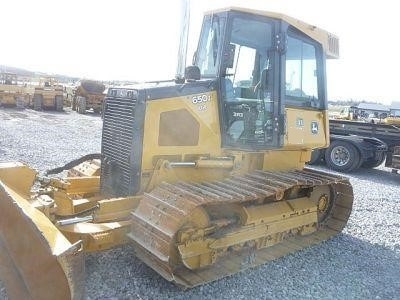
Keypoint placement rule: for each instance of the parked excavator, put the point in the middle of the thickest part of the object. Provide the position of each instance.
(203, 174)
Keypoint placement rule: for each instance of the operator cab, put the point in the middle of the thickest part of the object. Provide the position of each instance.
(262, 64)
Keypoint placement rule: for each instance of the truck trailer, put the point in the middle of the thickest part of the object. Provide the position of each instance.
(356, 144)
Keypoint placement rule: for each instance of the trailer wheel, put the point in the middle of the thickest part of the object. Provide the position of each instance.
(59, 102)
(37, 102)
(342, 156)
(369, 164)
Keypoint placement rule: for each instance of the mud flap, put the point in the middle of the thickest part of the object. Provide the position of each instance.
(36, 260)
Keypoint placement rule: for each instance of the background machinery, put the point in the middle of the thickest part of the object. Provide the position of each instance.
(88, 95)
(13, 93)
(48, 95)
(357, 144)
(204, 175)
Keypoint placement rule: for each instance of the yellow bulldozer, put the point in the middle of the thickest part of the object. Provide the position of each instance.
(12, 92)
(205, 174)
(48, 95)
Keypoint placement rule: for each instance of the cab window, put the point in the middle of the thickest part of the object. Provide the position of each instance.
(302, 71)
(209, 45)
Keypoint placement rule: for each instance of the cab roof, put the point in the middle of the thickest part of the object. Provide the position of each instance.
(329, 41)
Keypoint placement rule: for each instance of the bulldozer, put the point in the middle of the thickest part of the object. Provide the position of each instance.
(48, 95)
(88, 95)
(204, 174)
(12, 93)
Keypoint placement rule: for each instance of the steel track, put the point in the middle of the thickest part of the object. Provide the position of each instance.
(162, 212)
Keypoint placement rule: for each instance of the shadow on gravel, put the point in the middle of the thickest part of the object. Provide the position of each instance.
(24, 113)
(381, 174)
(8, 113)
(48, 114)
(90, 114)
(343, 267)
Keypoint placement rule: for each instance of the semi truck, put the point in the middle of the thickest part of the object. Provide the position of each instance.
(355, 144)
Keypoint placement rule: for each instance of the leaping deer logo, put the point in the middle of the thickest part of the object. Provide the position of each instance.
(314, 127)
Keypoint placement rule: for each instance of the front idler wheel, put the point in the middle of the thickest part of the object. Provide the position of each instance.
(323, 197)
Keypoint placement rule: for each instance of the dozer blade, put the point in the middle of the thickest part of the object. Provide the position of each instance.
(33, 252)
(193, 233)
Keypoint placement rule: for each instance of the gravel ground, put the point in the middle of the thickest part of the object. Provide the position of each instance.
(363, 262)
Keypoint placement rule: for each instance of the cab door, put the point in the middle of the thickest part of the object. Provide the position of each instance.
(249, 83)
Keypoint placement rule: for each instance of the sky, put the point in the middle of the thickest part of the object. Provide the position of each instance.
(138, 40)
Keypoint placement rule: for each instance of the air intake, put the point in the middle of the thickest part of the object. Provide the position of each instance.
(333, 46)
(120, 143)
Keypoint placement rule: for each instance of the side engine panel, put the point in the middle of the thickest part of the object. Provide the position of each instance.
(121, 145)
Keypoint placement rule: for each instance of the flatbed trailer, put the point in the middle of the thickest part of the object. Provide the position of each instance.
(356, 144)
